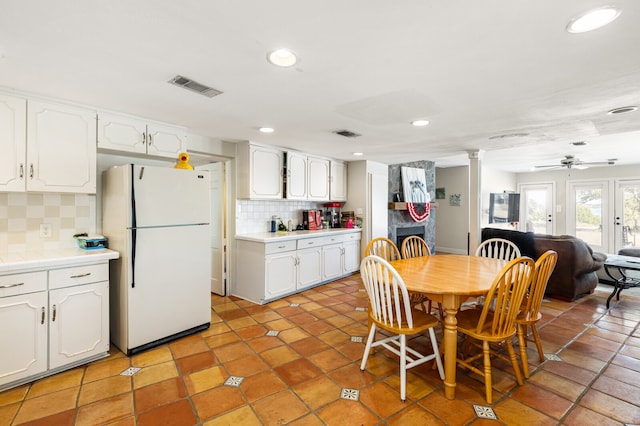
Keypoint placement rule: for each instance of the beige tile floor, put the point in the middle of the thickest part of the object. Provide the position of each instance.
(234, 373)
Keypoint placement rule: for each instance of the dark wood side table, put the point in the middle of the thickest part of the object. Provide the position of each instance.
(622, 264)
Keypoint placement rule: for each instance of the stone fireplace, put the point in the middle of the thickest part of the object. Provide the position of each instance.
(400, 223)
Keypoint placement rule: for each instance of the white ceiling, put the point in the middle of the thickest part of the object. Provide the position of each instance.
(474, 69)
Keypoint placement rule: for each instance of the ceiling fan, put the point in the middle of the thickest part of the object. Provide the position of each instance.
(571, 162)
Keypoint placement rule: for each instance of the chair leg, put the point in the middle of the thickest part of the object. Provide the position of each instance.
(514, 362)
(436, 352)
(367, 348)
(403, 367)
(522, 342)
(536, 338)
(487, 371)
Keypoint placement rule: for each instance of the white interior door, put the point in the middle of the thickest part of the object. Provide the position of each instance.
(627, 214)
(588, 213)
(536, 207)
(217, 221)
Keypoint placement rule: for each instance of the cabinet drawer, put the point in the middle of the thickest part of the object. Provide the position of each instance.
(12, 285)
(67, 277)
(279, 247)
(354, 236)
(333, 239)
(311, 242)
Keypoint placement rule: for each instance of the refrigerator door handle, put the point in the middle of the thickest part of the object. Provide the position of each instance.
(133, 228)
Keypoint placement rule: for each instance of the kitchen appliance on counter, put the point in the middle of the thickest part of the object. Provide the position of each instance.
(333, 213)
(158, 219)
(312, 219)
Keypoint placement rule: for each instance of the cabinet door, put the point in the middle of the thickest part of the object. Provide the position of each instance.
(296, 176)
(309, 267)
(79, 323)
(265, 173)
(61, 148)
(23, 340)
(13, 143)
(351, 255)
(121, 133)
(338, 186)
(164, 140)
(332, 265)
(280, 271)
(318, 178)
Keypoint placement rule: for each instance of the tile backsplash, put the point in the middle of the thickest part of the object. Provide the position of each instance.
(21, 215)
(255, 216)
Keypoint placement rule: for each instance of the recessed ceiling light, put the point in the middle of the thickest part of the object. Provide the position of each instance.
(622, 110)
(420, 123)
(282, 58)
(593, 19)
(358, 154)
(266, 129)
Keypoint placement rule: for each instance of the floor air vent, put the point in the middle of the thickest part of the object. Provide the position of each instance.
(194, 86)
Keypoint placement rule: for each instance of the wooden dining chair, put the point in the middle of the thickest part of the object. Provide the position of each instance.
(498, 248)
(414, 246)
(390, 309)
(386, 249)
(496, 322)
(530, 313)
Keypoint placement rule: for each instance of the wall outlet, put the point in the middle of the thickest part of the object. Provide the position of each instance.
(45, 230)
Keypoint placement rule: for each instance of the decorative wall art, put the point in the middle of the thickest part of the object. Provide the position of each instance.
(414, 185)
(455, 200)
(440, 194)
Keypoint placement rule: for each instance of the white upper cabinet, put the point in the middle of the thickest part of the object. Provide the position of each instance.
(318, 170)
(296, 180)
(259, 172)
(61, 148)
(123, 133)
(46, 147)
(13, 143)
(338, 184)
(307, 177)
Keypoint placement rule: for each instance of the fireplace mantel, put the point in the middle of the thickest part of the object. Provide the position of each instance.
(403, 206)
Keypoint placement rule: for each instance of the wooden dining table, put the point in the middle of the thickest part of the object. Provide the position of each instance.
(449, 279)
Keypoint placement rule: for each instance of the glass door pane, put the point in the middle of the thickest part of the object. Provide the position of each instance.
(627, 216)
(588, 213)
(536, 211)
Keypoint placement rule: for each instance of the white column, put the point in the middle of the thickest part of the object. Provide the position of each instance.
(475, 198)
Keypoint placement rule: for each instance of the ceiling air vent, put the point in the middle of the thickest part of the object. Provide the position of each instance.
(187, 83)
(346, 133)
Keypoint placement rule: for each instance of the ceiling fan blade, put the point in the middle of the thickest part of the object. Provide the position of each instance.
(580, 166)
(596, 163)
(549, 166)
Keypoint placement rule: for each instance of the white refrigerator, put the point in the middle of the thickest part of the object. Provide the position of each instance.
(158, 219)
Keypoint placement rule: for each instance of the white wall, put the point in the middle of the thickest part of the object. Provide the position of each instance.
(452, 222)
(563, 176)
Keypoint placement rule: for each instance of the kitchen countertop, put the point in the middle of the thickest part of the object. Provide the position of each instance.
(44, 259)
(265, 237)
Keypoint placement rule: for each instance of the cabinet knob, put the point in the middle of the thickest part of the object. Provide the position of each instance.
(80, 275)
(42, 315)
(21, 171)
(150, 139)
(53, 317)
(31, 170)
(11, 285)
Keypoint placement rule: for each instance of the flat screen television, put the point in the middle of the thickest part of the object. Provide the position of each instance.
(504, 207)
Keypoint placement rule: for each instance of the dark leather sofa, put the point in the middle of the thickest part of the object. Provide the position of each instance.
(574, 275)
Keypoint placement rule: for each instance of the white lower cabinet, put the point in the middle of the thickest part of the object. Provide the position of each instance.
(52, 320)
(270, 269)
(79, 323)
(280, 274)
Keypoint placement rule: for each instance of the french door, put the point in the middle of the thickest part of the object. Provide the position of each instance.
(627, 214)
(536, 207)
(604, 213)
(588, 213)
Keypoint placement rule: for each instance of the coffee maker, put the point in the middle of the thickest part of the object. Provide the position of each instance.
(333, 213)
